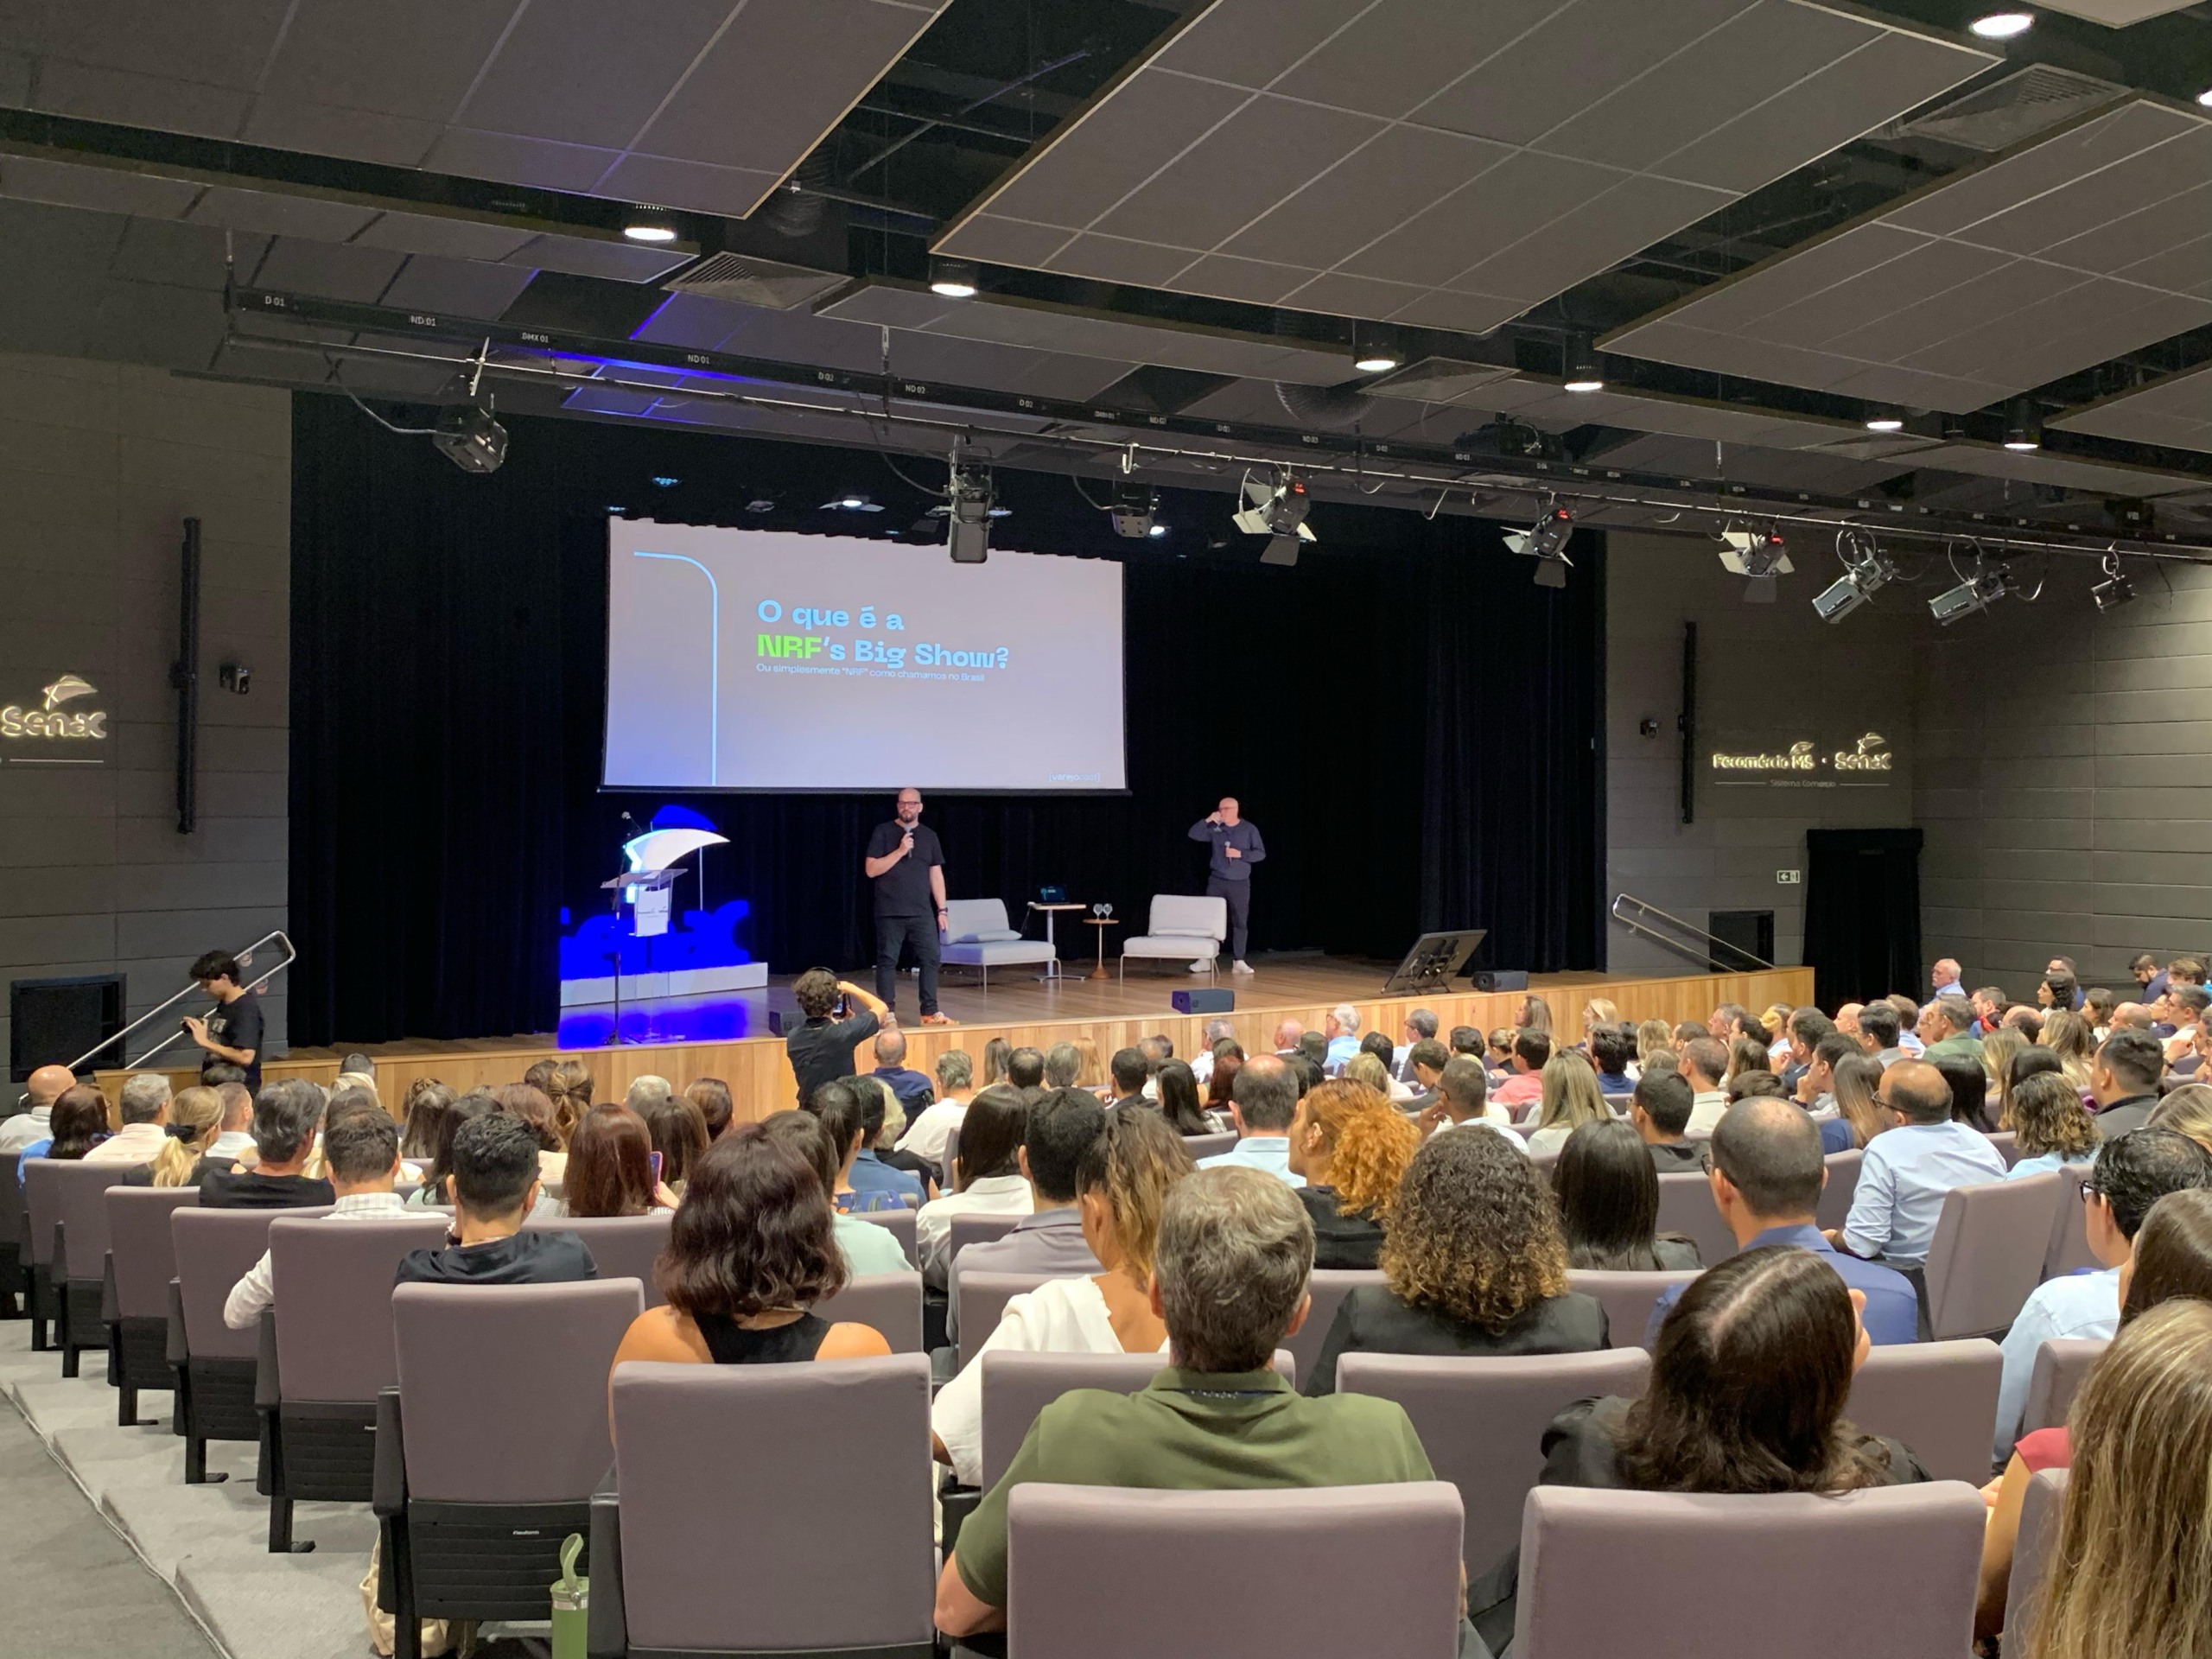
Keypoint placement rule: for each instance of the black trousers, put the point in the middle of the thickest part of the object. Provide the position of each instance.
(891, 932)
(1239, 894)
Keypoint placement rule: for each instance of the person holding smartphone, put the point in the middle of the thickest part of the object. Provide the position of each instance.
(905, 864)
(821, 1050)
(230, 1033)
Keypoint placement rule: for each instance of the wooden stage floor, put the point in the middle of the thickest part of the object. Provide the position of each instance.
(1109, 1013)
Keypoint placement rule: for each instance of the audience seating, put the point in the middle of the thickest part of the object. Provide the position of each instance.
(2041, 1509)
(1328, 1288)
(14, 1287)
(214, 1365)
(1686, 1206)
(67, 1206)
(1939, 1398)
(1835, 1206)
(1208, 1146)
(1987, 1255)
(624, 1247)
(976, 936)
(1482, 1421)
(766, 1509)
(140, 1261)
(2008, 1143)
(890, 1302)
(476, 1487)
(1890, 1571)
(983, 1297)
(899, 1224)
(326, 1354)
(951, 1152)
(2069, 1228)
(2062, 1366)
(1628, 1298)
(1182, 928)
(980, 1229)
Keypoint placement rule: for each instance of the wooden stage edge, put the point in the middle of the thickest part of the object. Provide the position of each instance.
(760, 1080)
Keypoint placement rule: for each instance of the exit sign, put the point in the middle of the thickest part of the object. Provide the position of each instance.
(1785, 878)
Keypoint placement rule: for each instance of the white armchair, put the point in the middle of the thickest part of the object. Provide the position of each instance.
(976, 936)
(1183, 927)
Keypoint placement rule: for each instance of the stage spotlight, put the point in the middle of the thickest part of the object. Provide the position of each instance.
(1866, 570)
(1884, 420)
(1135, 511)
(652, 224)
(2115, 590)
(1375, 348)
(2003, 25)
(2205, 98)
(1544, 541)
(1277, 511)
(1977, 592)
(466, 435)
(850, 501)
(1581, 365)
(953, 279)
(2023, 427)
(1759, 555)
(969, 503)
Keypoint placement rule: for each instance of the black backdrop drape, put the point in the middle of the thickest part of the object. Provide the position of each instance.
(1415, 726)
(1862, 912)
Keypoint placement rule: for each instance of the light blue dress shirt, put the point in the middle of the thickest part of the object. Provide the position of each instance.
(2079, 1304)
(1268, 1151)
(2045, 1162)
(1901, 1183)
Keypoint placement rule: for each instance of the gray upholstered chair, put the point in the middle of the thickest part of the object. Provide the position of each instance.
(326, 1354)
(15, 1282)
(1482, 1420)
(891, 1302)
(1686, 1206)
(1213, 1566)
(899, 1224)
(140, 1261)
(983, 1297)
(978, 935)
(1182, 928)
(1987, 1255)
(1627, 1298)
(1835, 1206)
(2008, 1143)
(2069, 1228)
(728, 1479)
(1328, 1288)
(2062, 1366)
(476, 1487)
(980, 1229)
(1939, 1398)
(1208, 1146)
(2033, 1547)
(1889, 1571)
(215, 1366)
(624, 1247)
(67, 1203)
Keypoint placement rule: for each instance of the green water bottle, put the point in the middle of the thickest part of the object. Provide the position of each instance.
(571, 1603)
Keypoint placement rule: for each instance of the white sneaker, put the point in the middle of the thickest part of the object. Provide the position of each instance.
(1203, 965)
(1240, 966)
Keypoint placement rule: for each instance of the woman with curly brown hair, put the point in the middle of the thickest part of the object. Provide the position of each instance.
(2051, 1128)
(1352, 1147)
(1474, 1264)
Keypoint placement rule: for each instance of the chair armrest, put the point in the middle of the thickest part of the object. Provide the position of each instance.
(111, 1310)
(607, 1622)
(388, 1484)
(266, 1393)
(59, 1272)
(178, 1352)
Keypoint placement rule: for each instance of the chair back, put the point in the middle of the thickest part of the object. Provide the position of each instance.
(545, 1441)
(1017, 1386)
(334, 1283)
(2008, 1143)
(967, 919)
(899, 1224)
(71, 1192)
(890, 1303)
(1814, 1556)
(1835, 1206)
(2069, 1227)
(1686, 1206)
(1208, 1146)
(1482, 1421)
(1328, 1288)
(759, 1464)
(1194, 914)
(981, 1229)
(2062, 1366)
(1939, 1398)
(13, 1216)
(1627, 1298)
(1214, 1565)
(213, 1249)
(2041, 1508)
(983, 1297)
(623, 1247)
(1987, 1255)
(945, 1162)
(141, 1247)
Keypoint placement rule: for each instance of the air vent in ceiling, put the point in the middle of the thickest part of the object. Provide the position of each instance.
(748, 279)
(2016, 108)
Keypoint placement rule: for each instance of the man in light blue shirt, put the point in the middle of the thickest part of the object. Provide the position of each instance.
(1947, 980)
(2132, 1173)
(1342, 1028)
(1262, 1103)
(1908, 1170)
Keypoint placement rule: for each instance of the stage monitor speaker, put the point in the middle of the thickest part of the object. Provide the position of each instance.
(1748, 936)
(1501, 979)
(52, 1022)
(1203, 1000)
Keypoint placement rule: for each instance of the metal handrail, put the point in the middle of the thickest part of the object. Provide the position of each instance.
(291, 956)
(1636, 924)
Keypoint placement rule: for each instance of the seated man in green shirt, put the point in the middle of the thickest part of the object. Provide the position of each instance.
(1228, 1280)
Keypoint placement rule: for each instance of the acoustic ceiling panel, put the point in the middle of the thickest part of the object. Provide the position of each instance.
(2175, 413)
(697, 104)
(1443, 163)
(2081, 247)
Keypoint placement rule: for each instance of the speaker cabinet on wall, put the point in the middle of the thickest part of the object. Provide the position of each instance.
(52, 1022)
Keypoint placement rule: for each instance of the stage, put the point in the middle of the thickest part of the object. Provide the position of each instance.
(728, 1037)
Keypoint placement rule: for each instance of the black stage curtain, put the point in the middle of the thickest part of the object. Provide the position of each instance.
(1414, 725)
(1862, 913)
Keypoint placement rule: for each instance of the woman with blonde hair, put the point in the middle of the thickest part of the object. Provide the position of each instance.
(1597, 1011)
(568, 1090)
(1091, 1071)
(2066, 1034)
(1122, 1181)
(1351, 1145)
(2187, 1110)
(1571, 1099)
(1536, 1014)
(1998, 1048)
(198, 1109)
(1857, 1077)
(1652, 1036)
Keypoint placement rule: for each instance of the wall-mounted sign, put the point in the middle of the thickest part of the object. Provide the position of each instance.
(1866, 762)
(63, 729)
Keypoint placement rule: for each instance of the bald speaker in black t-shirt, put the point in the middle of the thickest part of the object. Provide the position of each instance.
(906, 865)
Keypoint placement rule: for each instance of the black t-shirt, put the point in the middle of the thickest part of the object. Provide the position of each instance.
(904, 889)
(525, 1258)
(234, 1189)
(821, 1051)
(237, 1024)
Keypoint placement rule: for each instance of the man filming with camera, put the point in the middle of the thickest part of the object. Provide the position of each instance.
(821, 1050)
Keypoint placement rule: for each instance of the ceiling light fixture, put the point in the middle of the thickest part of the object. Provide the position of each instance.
(2003, 25)
(1375, 349)
(2205, 98)
(969, 498)
(1135, 511)
(1761, 555)
(1544, 541)
(1581, 360)
(1885, 420)
(466, 435)
(1977, 592)
(2115, 590)
(1866, 570)
(1276, 509)
(2023, 427)
(954, 279)
(654, 225)
(851, 501)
